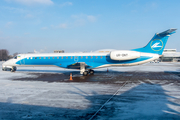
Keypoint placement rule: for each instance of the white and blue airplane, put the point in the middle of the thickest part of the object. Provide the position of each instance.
(85, 62)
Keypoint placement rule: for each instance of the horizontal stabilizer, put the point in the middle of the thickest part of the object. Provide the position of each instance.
(167, 32)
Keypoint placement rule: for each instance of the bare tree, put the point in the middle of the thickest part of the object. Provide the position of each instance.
(15, 54)
(4, 54)
(0, 55)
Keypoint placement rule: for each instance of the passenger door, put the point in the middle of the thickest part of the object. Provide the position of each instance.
(23, 59)
(76, 58)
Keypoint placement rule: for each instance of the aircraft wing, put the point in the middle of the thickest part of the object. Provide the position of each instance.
(77, 65)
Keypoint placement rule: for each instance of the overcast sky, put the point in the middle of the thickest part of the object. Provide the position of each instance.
(85, 25)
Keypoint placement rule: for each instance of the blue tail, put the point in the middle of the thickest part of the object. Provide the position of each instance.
(157, 43)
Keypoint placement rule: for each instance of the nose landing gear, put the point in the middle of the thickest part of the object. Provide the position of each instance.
(13, 69)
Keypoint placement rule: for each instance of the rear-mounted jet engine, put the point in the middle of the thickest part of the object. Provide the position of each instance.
(124, 55)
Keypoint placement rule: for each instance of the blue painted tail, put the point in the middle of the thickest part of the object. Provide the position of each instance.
(157, 43)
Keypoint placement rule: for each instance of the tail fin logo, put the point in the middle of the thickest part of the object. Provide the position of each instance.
(156, 45)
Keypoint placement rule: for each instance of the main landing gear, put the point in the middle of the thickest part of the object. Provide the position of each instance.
(91, 72)
(84, 71)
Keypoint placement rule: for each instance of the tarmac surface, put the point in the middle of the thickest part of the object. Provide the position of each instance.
(150, 91)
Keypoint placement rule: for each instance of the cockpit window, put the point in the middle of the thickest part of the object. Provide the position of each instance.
(15, 57)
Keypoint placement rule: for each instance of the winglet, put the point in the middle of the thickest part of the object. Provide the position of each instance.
(167, 32)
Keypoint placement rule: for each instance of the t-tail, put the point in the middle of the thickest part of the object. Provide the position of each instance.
(157, 43)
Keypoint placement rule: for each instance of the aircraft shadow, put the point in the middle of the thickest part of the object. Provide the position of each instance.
(145, 101)
(42, 71)
(62, 71)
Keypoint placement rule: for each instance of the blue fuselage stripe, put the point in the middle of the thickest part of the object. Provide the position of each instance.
(91, 61)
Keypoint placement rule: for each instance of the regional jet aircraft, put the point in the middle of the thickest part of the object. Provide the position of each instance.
(85, 62)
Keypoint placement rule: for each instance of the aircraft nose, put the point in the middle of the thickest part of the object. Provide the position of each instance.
(5, 63)
(8, 63)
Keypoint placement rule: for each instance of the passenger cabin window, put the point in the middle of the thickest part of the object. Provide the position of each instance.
(91, 57)
(15, 57)
(39, 57)
(101, 57)
(81, 57)
(71, 57)
(86, 57)
(66, 57)
(57, 57)
(31, 58)
(35, 57)
(53, 57)
(44, 57)
(96, 57)
(61, 57)
(48, 57)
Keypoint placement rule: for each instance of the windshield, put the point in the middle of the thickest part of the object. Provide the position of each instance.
(15, 57)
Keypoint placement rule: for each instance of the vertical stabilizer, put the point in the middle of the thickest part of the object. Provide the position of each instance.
(157, 43)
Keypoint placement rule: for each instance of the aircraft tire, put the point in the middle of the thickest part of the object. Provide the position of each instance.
(91, 72)
(12, 70)
(85, 73)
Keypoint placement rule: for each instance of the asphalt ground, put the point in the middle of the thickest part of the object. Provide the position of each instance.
(102, 77)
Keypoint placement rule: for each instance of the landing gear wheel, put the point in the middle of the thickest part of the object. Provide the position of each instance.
(13, 69)
(91, 72)
(85, 73)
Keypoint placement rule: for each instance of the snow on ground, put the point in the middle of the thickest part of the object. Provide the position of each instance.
(144, 102)
(142, 99)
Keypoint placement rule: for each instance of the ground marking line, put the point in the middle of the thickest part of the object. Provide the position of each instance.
(108, 100)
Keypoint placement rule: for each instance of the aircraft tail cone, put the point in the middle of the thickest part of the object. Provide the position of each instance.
(70, 77)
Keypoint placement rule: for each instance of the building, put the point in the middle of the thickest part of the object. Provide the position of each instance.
(170, 55)
(58, 51)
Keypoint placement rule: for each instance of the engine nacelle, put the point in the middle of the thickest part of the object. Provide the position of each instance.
(124, 55)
